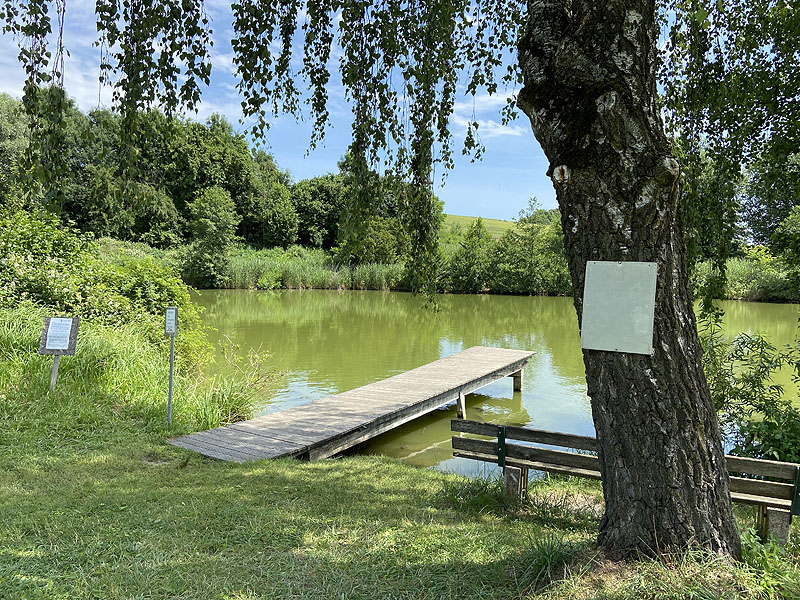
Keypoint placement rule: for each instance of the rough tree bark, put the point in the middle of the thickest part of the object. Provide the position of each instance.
(590, 93)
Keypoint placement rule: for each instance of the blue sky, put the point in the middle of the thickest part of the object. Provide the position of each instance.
(511, 171)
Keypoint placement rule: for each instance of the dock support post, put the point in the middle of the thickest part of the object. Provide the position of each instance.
(517, 380)
(515, 482)
(461, 406)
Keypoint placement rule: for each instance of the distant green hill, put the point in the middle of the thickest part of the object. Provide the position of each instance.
(496, 227)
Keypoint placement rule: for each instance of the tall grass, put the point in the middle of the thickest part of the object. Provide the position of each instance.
(308, 268)
(116, 369)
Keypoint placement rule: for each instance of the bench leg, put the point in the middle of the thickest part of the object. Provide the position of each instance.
(515, 482)
(773, 522)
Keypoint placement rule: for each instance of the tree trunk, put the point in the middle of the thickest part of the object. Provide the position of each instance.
(590, 93)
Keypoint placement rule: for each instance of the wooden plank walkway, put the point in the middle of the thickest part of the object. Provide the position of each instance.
(331, 425)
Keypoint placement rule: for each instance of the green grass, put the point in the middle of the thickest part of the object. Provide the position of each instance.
(496, 227)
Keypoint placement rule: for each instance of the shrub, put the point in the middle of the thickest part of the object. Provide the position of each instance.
(756, 416)
(383, 241)
(757, 276)
(212, 224)
(468, 267)
(48, 265)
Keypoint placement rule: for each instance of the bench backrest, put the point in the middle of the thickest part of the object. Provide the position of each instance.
(745, 489)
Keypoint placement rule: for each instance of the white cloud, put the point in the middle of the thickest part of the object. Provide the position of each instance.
(484, 103)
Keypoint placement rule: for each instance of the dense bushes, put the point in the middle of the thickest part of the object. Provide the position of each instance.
(47, 265)
(527, 259)
(468, 268)
(757, 276)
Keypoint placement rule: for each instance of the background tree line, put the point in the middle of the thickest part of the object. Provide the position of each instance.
(200, 188)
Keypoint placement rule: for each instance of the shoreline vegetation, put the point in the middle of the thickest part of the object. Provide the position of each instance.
(750, 278)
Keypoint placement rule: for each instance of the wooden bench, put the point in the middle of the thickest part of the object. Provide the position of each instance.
(777, 501)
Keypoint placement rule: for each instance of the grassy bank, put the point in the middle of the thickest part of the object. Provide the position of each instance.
(95, 504)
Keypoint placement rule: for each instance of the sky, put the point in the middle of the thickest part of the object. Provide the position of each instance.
(512, 170)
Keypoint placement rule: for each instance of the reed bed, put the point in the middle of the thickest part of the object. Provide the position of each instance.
(304, 268)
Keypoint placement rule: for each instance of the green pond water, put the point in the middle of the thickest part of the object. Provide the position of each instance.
(329, 342)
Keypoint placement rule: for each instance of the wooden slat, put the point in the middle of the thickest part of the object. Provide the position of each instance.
(761, 500)
(765, 468)
(525, 434)
(557, 457)
(530, 464)
(759, 487)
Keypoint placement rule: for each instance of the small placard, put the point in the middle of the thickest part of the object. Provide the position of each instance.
(619, 301)
(59, 336)
(171, 321)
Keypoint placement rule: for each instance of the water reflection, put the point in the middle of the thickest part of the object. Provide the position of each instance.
(329, 342)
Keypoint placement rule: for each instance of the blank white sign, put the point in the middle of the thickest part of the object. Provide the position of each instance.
(619, 300)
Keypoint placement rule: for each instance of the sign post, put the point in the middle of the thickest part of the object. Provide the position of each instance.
(171, 330)
(59, 338)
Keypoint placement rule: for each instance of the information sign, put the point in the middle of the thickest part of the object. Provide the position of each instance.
(171, 321)
(59, 338)
(59, 335)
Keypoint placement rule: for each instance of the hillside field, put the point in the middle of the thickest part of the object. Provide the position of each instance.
(496, 227)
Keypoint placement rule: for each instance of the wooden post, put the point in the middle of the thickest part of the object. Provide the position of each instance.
(461, 406)
(761, 522)
(513, 486)
(54, 372)
(517, 380)
(773, 521)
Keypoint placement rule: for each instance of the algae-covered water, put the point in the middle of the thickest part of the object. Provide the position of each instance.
(329, 342)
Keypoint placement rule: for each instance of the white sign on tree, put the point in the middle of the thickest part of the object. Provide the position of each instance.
(619, 300)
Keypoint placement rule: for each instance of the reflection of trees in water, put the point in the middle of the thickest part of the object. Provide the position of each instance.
(351, 338)
(778, 322)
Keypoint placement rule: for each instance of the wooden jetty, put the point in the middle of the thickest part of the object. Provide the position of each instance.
(331, 425)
